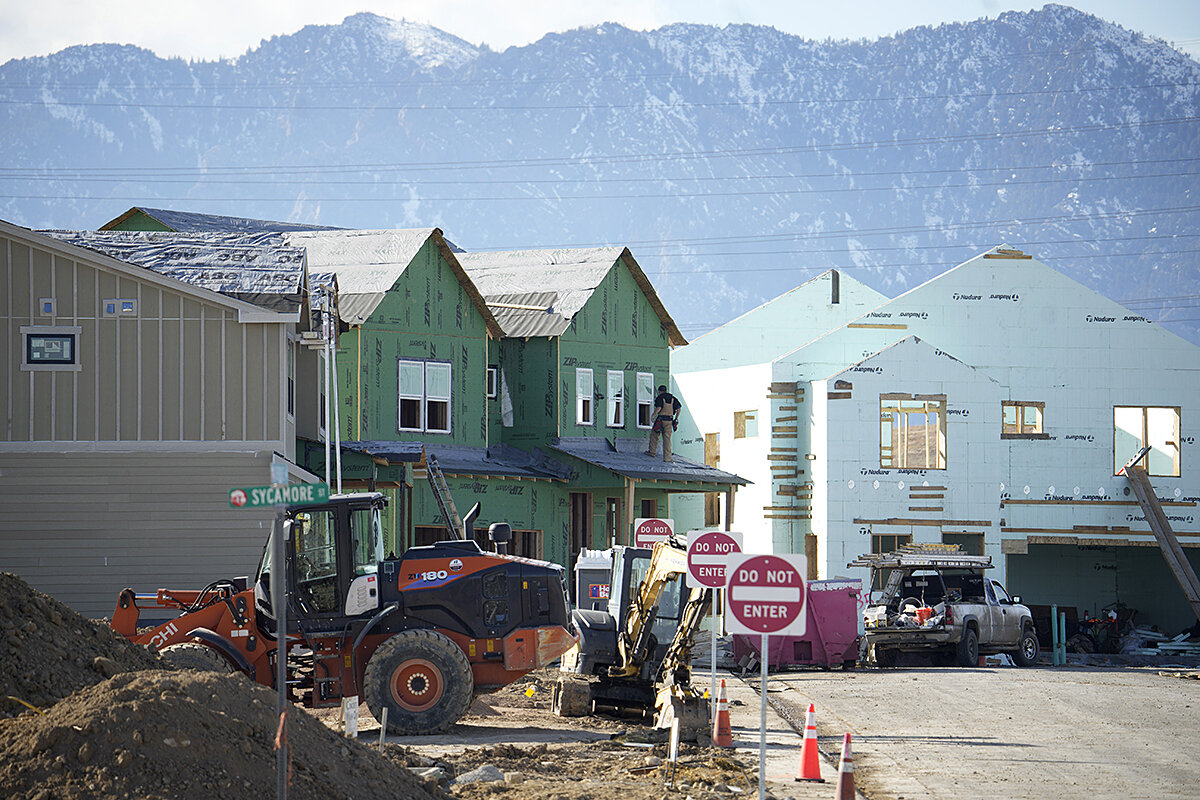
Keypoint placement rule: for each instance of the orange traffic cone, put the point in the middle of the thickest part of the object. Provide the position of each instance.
(722, 733)
(810, 759)
(845, 780)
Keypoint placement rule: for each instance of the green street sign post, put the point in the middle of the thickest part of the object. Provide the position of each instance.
(292, 494)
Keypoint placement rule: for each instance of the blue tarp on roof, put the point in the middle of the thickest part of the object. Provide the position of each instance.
(499, 460)
(193, 222)
(628, 457)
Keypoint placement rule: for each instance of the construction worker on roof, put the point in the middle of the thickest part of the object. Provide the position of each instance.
(666, 420)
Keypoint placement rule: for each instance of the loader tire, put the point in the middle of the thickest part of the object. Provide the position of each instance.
(196, 656)
(571, 697)
(423, 680)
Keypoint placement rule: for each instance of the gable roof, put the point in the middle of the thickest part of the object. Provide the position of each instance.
(799, 315)
(539, 292)
(259, 268)
(993, 303)
(247, 312)
(368, 263)
(194, 222)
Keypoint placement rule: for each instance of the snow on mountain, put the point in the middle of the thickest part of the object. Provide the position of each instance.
(736, 161)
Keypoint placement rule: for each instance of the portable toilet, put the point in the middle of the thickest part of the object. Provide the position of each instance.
(593, 579)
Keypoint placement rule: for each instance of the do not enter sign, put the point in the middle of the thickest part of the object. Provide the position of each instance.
(766, 594)
(707, 554)
(649, 530)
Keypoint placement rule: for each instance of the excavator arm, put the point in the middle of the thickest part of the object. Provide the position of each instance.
(676, 698)
(668, 561)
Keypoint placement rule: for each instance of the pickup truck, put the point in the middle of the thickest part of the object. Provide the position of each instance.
(939, 600)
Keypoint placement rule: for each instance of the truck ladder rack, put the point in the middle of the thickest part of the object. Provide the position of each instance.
(441, 493)
(1172, 552)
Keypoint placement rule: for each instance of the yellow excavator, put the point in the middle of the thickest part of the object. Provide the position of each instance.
(637, 654)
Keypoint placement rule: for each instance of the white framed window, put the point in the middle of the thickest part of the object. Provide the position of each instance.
(493, 383)
(615, 400)
(645, 400)
(1156, 427)
(584, 392)
(50, 348)
(424, 396)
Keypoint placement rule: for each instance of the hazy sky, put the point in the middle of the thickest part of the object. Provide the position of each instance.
(209, 29)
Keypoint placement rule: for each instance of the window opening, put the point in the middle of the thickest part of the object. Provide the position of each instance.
(912, 432)
(1022, 417)
(745, 424)
(645, 399)
(886, 543)
(1156, 427)
(492, 383)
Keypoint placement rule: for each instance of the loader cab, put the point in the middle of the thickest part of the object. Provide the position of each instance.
(333, 554)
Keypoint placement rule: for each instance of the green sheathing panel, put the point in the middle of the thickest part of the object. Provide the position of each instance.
(426, 315)
(1089, 577)
(526, 505)
(616, 329)
(529, 376)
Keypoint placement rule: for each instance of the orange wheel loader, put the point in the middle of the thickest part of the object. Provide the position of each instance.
(420, 635)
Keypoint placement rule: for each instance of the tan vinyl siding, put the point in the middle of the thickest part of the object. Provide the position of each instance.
(142, 520)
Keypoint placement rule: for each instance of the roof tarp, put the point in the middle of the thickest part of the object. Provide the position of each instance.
(259, 268)
(193, 222)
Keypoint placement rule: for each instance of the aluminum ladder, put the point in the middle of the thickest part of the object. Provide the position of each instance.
(441, 493)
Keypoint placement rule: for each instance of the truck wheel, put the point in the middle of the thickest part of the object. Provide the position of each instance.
(1027, 651)
(885, 657)
(571, 698)
(196, 656)
(968, 649)
(423, 680)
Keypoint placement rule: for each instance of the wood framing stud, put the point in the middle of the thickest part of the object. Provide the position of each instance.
(964, 523)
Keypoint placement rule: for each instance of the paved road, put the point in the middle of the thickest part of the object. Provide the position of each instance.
(1005, 732)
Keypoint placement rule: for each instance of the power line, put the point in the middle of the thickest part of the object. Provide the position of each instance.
(822, 148)
(197, 173)
(559, 196)
(492, 107)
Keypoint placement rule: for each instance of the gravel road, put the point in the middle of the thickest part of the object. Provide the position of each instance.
(1002, 732)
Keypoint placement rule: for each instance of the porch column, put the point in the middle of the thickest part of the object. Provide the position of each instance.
(729, 495)
(629, 515)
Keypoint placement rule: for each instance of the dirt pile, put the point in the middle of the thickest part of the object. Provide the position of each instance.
(50, 651)
(159, 734)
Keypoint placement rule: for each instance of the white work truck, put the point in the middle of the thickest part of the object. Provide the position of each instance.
(938, 600)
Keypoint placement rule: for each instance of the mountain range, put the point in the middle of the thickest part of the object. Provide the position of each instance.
(736, 162)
